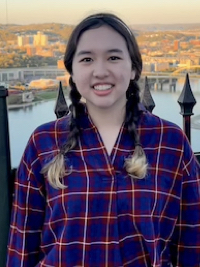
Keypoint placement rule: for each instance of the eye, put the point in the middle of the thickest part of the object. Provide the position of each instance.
(86, 59)
(114, 58)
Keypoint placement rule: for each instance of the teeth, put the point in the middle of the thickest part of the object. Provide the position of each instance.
(102, 87)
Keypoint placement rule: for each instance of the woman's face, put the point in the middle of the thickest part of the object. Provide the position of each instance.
(102, 68)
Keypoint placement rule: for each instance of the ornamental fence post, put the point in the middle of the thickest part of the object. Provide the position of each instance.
(5, 172)
(187, 101)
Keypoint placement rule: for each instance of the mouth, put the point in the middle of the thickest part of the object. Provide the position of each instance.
(102, 87)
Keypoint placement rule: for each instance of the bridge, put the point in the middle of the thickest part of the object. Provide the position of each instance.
(180, 70)
(156, 80)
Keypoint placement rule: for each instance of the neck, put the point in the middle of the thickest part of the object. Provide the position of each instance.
(107, 117)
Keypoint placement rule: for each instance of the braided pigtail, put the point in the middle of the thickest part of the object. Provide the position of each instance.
(76, 109)
(55, 169)
(136, 165)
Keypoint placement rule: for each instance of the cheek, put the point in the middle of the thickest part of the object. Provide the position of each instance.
(125, 77)
(126, 71)
(82, 83)
(78, 75)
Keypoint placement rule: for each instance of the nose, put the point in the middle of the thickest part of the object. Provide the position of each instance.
(100, 69)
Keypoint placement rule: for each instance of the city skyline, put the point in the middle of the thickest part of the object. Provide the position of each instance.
(72, 11)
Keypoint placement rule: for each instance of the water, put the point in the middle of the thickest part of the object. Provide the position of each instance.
(194, 82)
(22, 122)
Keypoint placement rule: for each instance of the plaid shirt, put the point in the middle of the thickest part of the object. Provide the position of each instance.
(105, 218)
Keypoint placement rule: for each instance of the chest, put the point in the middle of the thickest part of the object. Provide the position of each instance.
(109, 137)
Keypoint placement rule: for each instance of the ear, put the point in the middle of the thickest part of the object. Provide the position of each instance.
(132, 74)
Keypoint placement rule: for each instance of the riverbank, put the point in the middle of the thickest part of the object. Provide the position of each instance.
(14, 101)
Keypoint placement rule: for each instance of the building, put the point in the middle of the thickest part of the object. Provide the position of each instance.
(23, 40)
(60, 64)
(40, 39)
(148, 67)
(44, 40)
(30, 50)
(20, 41)
(161, 66)
(184, 45)
(28, 74)
(176, 45)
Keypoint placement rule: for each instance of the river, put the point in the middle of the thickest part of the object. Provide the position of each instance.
(23, 121)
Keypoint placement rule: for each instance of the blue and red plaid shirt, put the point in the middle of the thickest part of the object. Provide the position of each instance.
(105, 218)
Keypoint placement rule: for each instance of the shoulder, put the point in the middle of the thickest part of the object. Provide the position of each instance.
(61, 124)
(150, 119)
(53, 129)
(152, 122)
(44, 143)
(49, 137)
(169, 141)
(156, 129)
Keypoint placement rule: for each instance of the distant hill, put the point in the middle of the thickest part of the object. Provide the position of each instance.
(166, 27)
(62, 30)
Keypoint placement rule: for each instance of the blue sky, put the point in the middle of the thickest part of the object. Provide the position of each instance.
(72, 11)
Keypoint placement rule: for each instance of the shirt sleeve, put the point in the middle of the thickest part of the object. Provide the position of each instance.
(186, 238)
(27, 212)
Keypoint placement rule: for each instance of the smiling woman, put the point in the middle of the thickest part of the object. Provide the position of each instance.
(109, 184)
(105, 67)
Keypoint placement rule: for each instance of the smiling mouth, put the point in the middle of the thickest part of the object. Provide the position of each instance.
(102, 87)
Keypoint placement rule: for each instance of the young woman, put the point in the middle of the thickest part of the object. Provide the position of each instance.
(110, 184)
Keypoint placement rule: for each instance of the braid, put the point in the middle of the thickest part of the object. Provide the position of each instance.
(136, 165)
(132, 110)
(75, 109)
(55, 169)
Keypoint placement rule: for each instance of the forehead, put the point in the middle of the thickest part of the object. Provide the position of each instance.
(103, 37)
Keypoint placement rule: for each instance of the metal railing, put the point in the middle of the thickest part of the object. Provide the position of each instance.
(186, 101)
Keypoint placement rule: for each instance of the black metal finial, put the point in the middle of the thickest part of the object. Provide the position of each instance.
(186, 99)
(5, 167)
(61, 108)
(146, 97)
(3, 91)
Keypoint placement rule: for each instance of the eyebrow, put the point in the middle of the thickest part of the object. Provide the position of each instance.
(85, 52)
(115, 50)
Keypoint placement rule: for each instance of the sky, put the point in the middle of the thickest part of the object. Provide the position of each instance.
(72, 11)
